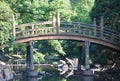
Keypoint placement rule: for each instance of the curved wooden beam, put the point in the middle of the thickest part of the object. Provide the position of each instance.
(68, 37)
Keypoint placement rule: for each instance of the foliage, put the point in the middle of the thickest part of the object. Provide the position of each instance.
(82, 9)
(35, 10)
(56, 46)
(110, 10)
(64, 7)
(28, 10)
(71, 48)
(38, 57)
(103, 56)
(5, 25)
(51, 47)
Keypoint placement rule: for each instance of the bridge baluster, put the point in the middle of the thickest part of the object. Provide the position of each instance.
(113, 38)
(94, 23)
(42, 31)
(14, 28)
(74, 28)
(35, 30)
(32, 29)
(101, 25)
(23, 34)
(79, 28)
(58, 22)
(54, 20)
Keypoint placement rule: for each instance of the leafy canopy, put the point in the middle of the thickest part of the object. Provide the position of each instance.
(110, 9)
(5, 22)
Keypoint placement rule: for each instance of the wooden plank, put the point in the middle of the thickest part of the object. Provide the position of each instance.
(54, 20)
(111, 30)
(58, 22)
(34, 23)
(78, 23)
(94, 25)
(14, 29)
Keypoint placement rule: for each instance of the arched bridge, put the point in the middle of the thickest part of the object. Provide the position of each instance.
(56, 29)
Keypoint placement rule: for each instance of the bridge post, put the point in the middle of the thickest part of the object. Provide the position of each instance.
(87, 75)
(81, 44)
(29, 60)
(87, 54)
(54, 20)
(94, 23)
(32, 29)
(101, 25)
(58, 22)
(14, 28)
(78, 72)
(80, 58)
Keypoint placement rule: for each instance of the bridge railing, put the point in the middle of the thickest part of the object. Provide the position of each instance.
(113, 37)
(76, 28)
(67, 28)
(34, 29)
(89, 30)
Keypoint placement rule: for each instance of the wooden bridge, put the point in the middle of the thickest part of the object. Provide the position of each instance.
(57, 29)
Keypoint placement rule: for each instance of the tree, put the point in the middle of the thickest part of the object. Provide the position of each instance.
(71, 48)
(28, 11)
(35, 10)
(51, 47)
(64, 7)
(56, 46)
(38, 57)
(82, 9)
(110, 10)
(5, 22)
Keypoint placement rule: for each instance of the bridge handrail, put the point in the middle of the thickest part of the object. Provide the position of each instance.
(35, 29)
(91, 25)
(34, 23)
(111, 30)
(108, 34)
(79, 23)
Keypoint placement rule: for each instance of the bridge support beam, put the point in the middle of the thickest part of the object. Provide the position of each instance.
(29, 60)
(87, 54)
(79, 71)
(80, 58)
(87, 75)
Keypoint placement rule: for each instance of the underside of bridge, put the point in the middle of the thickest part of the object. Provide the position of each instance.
(69, 37)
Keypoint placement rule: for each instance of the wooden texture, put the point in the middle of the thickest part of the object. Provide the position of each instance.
(13, 24)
